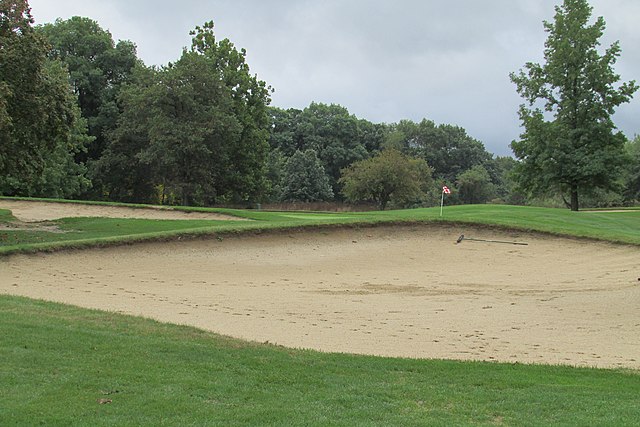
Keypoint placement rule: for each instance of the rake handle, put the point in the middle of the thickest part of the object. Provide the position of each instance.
(461, 238)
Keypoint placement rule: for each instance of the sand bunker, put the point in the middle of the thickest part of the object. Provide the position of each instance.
(28, 211)
(409, 292)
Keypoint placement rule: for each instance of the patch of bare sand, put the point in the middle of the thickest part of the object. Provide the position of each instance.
(408, 292)
(28, 211)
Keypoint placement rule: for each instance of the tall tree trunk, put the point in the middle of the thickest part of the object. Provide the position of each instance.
(574, 198)
(383, 202)
(185, 195)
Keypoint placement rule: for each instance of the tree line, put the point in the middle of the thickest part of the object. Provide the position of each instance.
(81, 116)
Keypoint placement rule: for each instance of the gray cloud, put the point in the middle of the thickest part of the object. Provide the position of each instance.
(446, 60)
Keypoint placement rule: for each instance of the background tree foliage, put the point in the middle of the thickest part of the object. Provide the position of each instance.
(448, 149)
(79, 111)
(474, 186)
(500, 170)
(119, 172)
(197, 129)
(59, 176)
(577, 149)
(39, 127)
(338, 137)
(304, 179)
(388, 177)
(631, 184)
(97, 68)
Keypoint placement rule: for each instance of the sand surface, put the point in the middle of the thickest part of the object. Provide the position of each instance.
(27, 211)
(408, 292)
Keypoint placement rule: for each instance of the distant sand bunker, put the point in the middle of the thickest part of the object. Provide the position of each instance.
(409, 292)
(28, 211)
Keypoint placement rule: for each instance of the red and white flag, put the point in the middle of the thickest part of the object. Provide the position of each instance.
(446, 190)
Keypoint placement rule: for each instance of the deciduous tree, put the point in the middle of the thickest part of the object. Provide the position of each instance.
(38, 112)
(570, 143)
(474, 186)
(199, 127)
(119, 172)
(98, 66)
(448, 149)
(631, 189)
(338, 137)
(387, 177)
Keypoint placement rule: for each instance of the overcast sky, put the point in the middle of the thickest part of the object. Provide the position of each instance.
(384, 60)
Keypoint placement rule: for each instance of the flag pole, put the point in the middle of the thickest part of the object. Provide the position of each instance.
(446, 190)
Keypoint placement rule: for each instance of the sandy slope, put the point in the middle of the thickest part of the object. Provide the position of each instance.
(388, 291)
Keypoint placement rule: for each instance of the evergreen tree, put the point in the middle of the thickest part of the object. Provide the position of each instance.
(304, 179)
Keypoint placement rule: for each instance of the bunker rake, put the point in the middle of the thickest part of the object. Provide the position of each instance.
(461, 238)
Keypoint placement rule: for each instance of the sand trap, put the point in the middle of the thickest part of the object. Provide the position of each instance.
(385, 291)
(28, 211)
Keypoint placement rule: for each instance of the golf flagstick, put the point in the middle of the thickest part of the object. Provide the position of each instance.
(446, 190)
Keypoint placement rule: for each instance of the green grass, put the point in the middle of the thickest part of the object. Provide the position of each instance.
(59, 361)
(5, 216)
(622, 227)
(103, 229)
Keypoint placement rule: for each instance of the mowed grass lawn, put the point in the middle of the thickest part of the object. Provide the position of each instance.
(68, 366)
(63, 365)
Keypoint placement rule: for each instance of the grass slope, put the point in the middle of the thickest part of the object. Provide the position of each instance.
(59, 363)
(622, 227)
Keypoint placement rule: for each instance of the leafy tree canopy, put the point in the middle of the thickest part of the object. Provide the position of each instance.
(97, 68)
(474, 186)
(38, 113)
(338, 137)
(571, 146)
(198, 127)
(500, 170)
(304, 179)
(448, 149)
(387, 177)
(632, 175)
